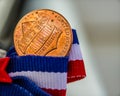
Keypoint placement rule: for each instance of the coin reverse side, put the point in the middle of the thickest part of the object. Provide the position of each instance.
(43, 32)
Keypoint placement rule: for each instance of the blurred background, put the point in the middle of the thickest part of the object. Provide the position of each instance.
(98, 27)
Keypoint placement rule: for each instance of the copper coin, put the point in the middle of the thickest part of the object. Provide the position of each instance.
(43, 32)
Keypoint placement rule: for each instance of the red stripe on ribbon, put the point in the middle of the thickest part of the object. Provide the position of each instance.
(76, 70)
(55, 92)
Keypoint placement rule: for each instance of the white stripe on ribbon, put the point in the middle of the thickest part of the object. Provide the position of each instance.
(75, 53)
(45, 79)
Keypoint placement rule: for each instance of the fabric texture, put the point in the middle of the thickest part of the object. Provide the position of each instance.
(76, 68)
(41, 75)
(21, 86)
(49, 73)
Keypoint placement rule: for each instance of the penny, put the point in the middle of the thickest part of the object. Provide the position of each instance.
(43, 32)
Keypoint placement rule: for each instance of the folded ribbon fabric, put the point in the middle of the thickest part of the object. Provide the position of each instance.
(76, 69)
(50, 74)
(21, 86)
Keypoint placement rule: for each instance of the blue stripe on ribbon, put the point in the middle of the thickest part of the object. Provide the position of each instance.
(37, 63)
(75, 38)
